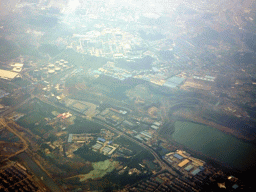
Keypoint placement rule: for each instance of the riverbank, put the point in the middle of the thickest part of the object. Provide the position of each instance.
(186, 116)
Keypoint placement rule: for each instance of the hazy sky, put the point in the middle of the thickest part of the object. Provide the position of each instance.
(6, 6)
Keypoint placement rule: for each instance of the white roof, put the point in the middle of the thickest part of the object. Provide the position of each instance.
(4, 74)
(157, 123)
(17, 65)
(17, 69)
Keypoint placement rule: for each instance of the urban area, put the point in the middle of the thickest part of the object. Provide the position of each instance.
(131, 96)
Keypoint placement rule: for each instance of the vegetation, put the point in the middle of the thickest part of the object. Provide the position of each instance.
(81, 60)
(12, 101)
(21, 82)
(7, 86)
(8, 50)
(128, 144)
(68, 168)
(142, 155)
(38, 106)
(36, 112)
(84, 126)
(88, 155)
(52, 50)
(35, 123)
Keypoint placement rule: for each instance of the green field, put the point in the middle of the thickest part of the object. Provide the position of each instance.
(84, 126)
(35, 122)
(36, 112)
(40, 107)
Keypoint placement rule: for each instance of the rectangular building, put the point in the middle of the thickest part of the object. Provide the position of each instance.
(196, 171)
(189, 167)
(9, 75)
(70, 137)
(183, 163)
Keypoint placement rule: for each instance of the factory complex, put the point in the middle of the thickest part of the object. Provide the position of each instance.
(184, 162)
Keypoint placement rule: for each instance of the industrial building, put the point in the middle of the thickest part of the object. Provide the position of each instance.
(174, 82)
(205, 78)
(154, 127)
(97, 146)
(8, 75)
(184, 162)
(106, 150)
(101, 139)
(70, 138)
(17, 67)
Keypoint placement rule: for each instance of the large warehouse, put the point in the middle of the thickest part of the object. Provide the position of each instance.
(9, 75)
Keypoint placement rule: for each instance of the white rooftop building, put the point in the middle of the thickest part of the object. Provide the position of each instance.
(9, 75)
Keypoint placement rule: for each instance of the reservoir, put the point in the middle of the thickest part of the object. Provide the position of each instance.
(215, 144)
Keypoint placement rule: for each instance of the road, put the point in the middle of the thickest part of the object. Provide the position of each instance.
(158, 159)
(25, 144)
(163, 165)
(11, 109)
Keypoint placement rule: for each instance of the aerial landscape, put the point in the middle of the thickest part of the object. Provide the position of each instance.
(107, 95)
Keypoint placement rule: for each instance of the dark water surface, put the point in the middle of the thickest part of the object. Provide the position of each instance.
(216, 144)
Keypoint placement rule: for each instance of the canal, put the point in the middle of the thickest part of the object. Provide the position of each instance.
(38, 172)
(215, 144)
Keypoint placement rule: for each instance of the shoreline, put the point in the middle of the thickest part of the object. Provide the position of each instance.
(222, 128)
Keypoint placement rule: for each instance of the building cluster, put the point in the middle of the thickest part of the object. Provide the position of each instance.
(109, 69)
(122, 120)
(163, 182)
(205, 78)
(110, 42)
(173, 82)
(112, 116)
(80, 138)
(104, 146)
(15, 177)
(185, 163)
(104, 142)
(197, 180)
(56, 67)
(64, 115)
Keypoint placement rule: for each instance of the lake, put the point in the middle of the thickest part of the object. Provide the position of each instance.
(215, 144)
